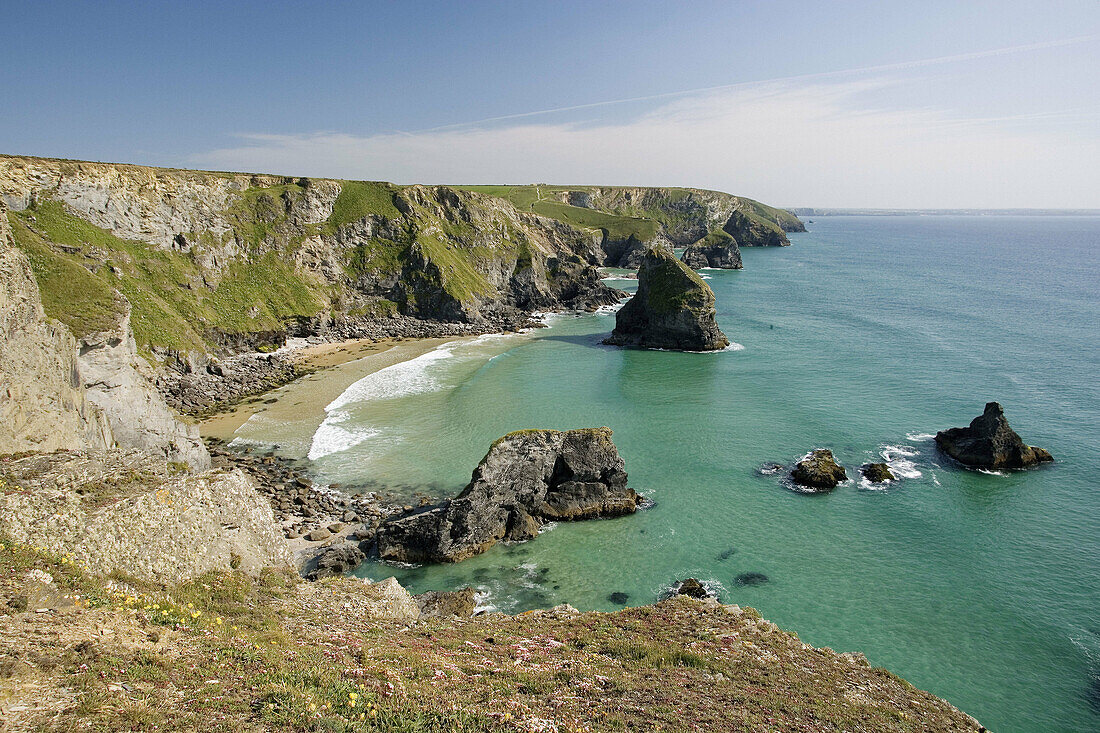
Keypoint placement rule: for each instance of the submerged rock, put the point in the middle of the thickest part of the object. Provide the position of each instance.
(618, 597)
(751, 579)
(877, 473)
(717, 249)
(527, 478)
(673, 309)
(990, 443)
(819, 471)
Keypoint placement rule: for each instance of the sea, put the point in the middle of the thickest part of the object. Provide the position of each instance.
(866, 336)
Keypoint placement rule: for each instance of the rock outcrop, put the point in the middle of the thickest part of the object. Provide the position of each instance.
(337, 559)
(877, 473)
(527, 478)
(127, 511)
(113, 377)
(673, 309)
(819, 471)
(42, 406)
(718, 250)
(990, 443)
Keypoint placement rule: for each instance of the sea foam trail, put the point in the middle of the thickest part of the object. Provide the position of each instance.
(414, 376)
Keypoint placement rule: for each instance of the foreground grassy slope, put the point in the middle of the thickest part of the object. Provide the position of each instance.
(232, 653)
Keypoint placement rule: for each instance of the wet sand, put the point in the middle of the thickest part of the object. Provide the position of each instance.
(300, 405)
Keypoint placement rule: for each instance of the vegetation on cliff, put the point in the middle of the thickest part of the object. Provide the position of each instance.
(238, 653)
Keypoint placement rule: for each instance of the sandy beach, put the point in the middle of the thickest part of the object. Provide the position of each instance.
(338, 365)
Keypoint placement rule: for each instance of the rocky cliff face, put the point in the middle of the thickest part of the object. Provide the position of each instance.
(214, 262)
(673, 309)
(118, 382)
(686, 215)
(125, 511)
(42, 406)
(527, 478)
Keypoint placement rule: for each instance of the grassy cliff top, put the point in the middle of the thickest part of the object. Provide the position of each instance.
(229, 652)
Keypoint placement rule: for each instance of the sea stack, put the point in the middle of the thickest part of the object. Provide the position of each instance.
(673, 309)
(990, 443)
(527, 478)
(717, 249)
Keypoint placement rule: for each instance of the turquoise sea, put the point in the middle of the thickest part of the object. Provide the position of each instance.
(866, 336)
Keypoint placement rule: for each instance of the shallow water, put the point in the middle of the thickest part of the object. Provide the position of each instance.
(866, 336)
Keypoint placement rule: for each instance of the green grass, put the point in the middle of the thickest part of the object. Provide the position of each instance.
(359, 199)
(666, 290)
(171, 307)
(70, 293)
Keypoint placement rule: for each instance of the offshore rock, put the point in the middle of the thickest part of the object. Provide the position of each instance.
(990, 443)
(718, 250)
(877, 473)
(673, 309)
(819, 471)
(527, 478)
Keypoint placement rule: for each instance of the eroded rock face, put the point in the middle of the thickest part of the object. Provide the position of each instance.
(673, 309)
(126, 511)
(444, 604)
(527, 478)
(990, 443)
(114, 379)
(819, 471)
(42, 407)
(717, 250)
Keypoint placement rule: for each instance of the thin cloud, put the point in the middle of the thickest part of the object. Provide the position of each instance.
(824, 75)
(812, 144)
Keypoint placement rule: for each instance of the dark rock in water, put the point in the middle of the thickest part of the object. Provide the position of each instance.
(819, 471)
(717, 249)
(691, 588)
(527, 478)
(337, 560)
(673, 309)
(771, 468)
(619, 597)
(751, 579)
(435, 603)
(990, 443)
(877, 473)
(727, 554)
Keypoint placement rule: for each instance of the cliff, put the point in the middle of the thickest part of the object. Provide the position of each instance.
(224, 262)
(41, 404)
(629, 220)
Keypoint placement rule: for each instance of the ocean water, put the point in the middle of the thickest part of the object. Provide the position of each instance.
(866, 336)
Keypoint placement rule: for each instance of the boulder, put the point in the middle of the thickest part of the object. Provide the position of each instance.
(435, 604)
(691, 588)
(673, 309)
(877, 473)
(337, 559)
(527, 478)
(819, 471)
(990, 443)
(717, 249)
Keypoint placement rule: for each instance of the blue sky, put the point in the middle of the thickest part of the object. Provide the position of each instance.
(944, 104)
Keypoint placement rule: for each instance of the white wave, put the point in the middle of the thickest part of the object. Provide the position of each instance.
(547, 527)
(897, 458)
(987, 472)
(483, 600)
(919, 437)
(705, 277)
(414, 376)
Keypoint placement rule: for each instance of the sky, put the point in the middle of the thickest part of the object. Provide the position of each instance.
(841, 104)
